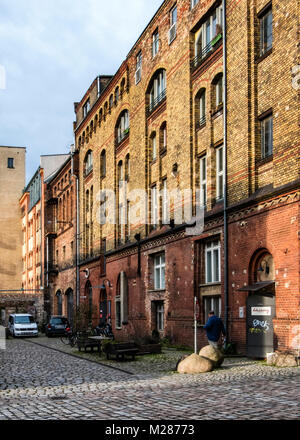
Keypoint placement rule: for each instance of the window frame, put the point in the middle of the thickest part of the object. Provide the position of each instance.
(203, 181)
(155, 43)
(220, 173)
(10, 163)
(86, 107)
(210, 248)
(159, 266)
(264, 36)
(263, 122)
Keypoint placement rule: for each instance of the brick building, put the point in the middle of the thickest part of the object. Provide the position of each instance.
(32, 204)
(61, 238)
(197, 105)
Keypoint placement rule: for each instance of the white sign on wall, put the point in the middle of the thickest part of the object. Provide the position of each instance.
(242, 312)
(261, 311)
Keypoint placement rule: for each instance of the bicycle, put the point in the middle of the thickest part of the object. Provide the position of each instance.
(69, 338)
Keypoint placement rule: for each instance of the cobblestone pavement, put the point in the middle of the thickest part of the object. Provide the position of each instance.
(38, 382)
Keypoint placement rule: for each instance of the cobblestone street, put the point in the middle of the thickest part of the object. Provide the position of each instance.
(42, 383)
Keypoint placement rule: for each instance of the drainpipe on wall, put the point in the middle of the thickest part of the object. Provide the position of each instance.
(225, 171)
(77, 234)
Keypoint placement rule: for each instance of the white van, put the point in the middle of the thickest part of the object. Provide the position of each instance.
(22, 325)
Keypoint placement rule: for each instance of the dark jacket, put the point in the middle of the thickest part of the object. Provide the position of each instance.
(214, 327)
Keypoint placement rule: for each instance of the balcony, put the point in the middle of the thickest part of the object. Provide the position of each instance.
(122, 136)
(208, 50)
(156, 102)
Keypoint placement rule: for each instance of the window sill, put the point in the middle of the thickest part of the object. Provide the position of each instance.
(157, 291)
(264, 160)
(265, 55)
(210, 284)
(217, 112)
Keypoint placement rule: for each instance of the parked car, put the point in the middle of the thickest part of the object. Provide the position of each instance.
(56, 326)
(22, 325)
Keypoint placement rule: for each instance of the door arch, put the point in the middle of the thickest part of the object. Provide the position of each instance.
(70, 305)
(59, 302)
(261, 306)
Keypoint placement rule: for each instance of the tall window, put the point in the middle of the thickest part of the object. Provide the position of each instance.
(103, 164)
(165, 205)
(193, 3)
(154, 206)
(138, 69)
(160, 315)
(127, 167)
(173, 24)
(155, 43)
(158, 89)
(10, 162)
(213, 262)
(153, 147)
(208, 35)
(117, 95)
(266, 31)
(159, 272)
(266, 137)
(219, 91)
(202, 107)
(88, 163)
(220, 172)
(123, 126)
(86, 108)
(203, 174)
(163, 137)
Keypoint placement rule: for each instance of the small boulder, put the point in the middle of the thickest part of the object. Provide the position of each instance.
(195, 364)
(286, 360)
(213, 354)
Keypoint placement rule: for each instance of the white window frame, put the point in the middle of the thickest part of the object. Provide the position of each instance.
(154, 147)
(263, 124)
(138, 70)
(173, 25)
(193, 3)
(203, 181)
(219, 91)
(154, 206)
(220, 168)
(160, 317)
(210, 303)
(86, 108)
(210, 249)
(165, 203)
(217, 15)
(123, 126)
(159, 85)
(155, 43)
(202, 107)
(159, 265)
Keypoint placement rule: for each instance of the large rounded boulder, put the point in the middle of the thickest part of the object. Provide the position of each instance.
(213, 354)
(195, 364)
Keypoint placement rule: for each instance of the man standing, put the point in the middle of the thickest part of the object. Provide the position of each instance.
(214, 327)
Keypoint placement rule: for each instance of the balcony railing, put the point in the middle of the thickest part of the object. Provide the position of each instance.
(88, 170)
(206, 51)
(157, 101)
(201, 122)
(122, 136)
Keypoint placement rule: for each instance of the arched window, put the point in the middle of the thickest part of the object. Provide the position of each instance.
(122, 128)
(200, 108)
(88, 163)
(157, 89)
(120, 172)
(87, 201)
(117, 95)
(122, 87)
(127, 167)
(153, 147)
(163, 138)
(103, 164)
(100, 116)
(111, 103)
(217, 91)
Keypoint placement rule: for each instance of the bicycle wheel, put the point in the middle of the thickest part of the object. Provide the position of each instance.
(73, 340)
(65, 339)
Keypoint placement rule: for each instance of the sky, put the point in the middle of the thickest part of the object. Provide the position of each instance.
(50, 52)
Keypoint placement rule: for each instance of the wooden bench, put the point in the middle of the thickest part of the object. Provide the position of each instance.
(83, 341)
(121, 349)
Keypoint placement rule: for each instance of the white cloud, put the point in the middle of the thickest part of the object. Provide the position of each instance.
(51, 51)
